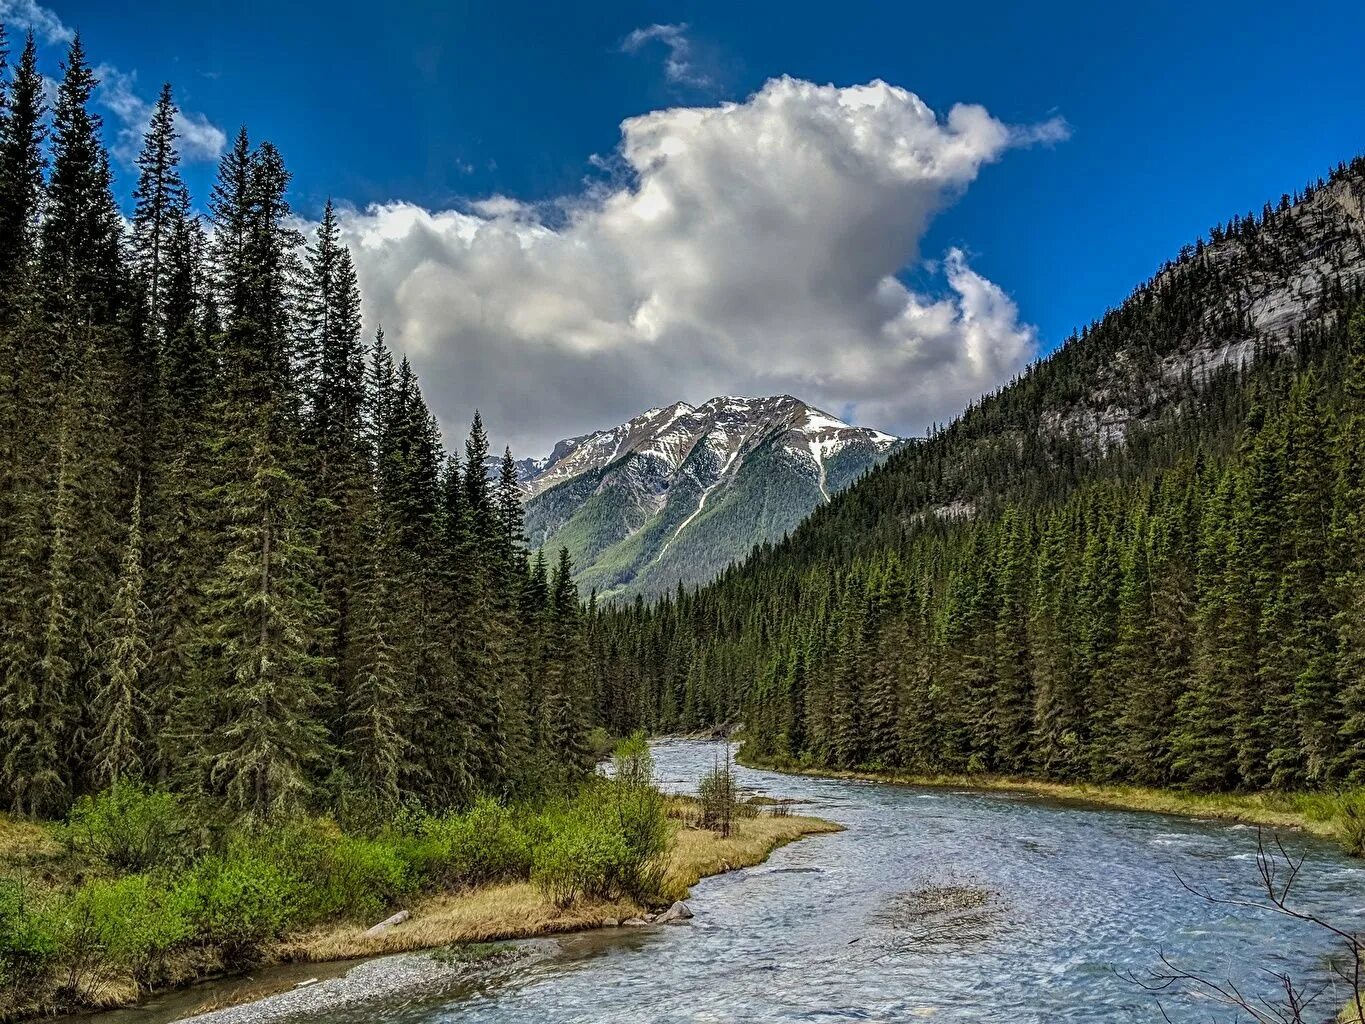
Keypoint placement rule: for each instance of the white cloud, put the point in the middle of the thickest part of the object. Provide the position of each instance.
(200, 139)
(678, 65)
(751, 248)
(26, 16)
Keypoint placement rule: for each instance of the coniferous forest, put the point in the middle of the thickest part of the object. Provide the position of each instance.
(1012, 595)
(276, 662)
(235, 558)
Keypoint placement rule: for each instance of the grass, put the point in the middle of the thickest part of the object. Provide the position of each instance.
(1330, 815)
(138, 891)
(519, 910)
(699, 853)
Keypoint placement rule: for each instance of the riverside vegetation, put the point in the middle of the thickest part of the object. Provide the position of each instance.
(137, 890)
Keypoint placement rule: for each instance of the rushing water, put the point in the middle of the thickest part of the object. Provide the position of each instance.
(1080, 896)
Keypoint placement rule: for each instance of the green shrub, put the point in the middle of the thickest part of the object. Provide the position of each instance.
(238, 901)
(718, 796)
(110, 927)
(361, 878)
(642, 818)
(27, 944)
(582, 857)
(328, 873)
(1350, 820)
(131, 828)
(609, 842)
(484, 844)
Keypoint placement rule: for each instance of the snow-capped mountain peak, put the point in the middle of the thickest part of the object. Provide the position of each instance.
(660, 485)
(731, 423)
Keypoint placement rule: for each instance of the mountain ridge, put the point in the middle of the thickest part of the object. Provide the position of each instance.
(639, 504)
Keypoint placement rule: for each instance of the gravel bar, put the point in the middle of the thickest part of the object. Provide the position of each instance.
(384, 980)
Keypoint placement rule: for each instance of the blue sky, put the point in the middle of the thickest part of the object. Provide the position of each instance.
(1178, 114)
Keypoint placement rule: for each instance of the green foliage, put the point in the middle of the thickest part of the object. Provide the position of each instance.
(608, 842)
(127, 924)
(27, 945)
(330, 874)
(238, 900)
(583, 855)
(131, 828)
(488, 843)
(719, 798)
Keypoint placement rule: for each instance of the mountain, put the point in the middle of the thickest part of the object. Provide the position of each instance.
(677, 494)
(1142, 561)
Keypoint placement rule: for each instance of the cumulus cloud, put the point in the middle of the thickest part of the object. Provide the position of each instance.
(678, 65)
(28, 16)
(200, 139)
(750, 247)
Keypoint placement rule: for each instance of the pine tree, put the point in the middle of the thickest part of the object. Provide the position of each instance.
(22, 133)
(80, 228)
(565, 716)
(161, 203)
(121, 733)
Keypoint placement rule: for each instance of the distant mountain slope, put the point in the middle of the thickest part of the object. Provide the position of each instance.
(679, 493)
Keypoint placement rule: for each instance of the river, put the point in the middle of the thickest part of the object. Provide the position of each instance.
(1080, 896)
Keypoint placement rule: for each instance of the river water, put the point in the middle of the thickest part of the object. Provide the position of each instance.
(1077, 897)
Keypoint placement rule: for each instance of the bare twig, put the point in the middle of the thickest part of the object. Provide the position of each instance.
(1278, 870)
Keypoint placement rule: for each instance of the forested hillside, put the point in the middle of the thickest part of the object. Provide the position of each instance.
(234, 557)
(1141, 561)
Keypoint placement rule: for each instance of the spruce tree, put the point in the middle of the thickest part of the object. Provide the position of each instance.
(22, 133)
(121, 714)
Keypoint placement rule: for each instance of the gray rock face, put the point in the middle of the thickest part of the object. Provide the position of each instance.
(676, 914)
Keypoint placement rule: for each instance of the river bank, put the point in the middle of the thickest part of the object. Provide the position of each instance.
(1339, 816)
(453, 938)
(520, 910)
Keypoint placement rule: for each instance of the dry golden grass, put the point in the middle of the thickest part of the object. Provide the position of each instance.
(512, 911)
(520, 911)
(22, 841)
(698, 853)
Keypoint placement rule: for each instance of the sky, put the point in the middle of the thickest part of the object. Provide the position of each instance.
(565, 214)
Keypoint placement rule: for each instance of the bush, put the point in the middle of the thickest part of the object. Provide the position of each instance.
(642, 818)
(238, 901)
(331, 874)
(484, 844)
(362, 878)
(1351, 822)
(131, 828)
(609, 842)
(718, 796)
(583, 855)
(27, 946)
(121, 927)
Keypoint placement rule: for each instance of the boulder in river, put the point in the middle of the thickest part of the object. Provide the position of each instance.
(634, 922)
(675, 914)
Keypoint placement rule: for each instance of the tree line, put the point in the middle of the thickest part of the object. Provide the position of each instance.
(1183, 608)
(235, 558)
